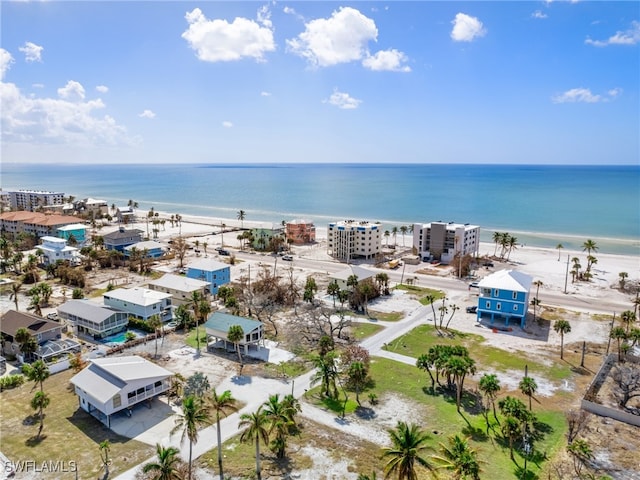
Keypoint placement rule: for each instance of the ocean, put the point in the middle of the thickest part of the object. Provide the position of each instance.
(541, 205)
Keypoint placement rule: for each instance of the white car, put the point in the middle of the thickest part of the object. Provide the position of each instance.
(288, 258)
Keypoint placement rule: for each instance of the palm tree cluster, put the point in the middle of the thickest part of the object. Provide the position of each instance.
(590, 247)
(626, 334)
(506, 242)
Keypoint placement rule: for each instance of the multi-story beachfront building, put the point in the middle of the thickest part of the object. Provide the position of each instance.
(300, 232)
(31, 200)
(443, 241)
(34, 223)
(504, 295)
(267, 236)
(350, 239)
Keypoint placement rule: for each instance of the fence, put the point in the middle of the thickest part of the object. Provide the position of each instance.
(588, 402)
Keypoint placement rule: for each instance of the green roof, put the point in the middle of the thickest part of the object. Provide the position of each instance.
(222, 321)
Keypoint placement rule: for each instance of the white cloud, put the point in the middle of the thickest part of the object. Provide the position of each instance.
(72, 91)
(32, 52)
(147, 114)
(467, 28)
(628, 37)
(265, 94)
(341, 38)
(264, 16)
(343, 100)
(5, 62)
(221, 41)
(227, 124)
(584, 95)
(539, 14)
(68, 119)
(102, 89)
(391, 60)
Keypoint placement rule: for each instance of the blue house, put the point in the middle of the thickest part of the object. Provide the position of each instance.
(504, 295)
(77, 230)
(122, 238)
(211, 271)
(149, 248)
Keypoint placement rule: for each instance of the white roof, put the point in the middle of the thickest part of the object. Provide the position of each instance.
(207, 264)
(179, 282)
(107, 376)
(149, 245)
(138, 295)
(510, 280)
(50, 239)
(73, 226)
(360, 272)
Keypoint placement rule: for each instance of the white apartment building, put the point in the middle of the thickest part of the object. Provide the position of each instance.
(443, 241)
(350, 239)
(31, 200)
(141, 303)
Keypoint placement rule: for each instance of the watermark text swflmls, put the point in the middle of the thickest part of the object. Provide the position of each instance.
(45, 466)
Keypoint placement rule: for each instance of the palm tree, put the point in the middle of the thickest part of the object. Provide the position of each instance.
(235, 335)
(490, 386)
(562, 327)
(357, 374)
(257, 430)
(204, 309)
(221, 404)
(166, 466)
(241, 216)
(280, 415)
(559, 247)
(387, 234)
(394, 232)
(326, 373)
(459, 458)
(105, 448)
(589, 246)
(39, 402)
(581, 452)
(194, 414)
(15, 289)
(403, 230)
(528, 387)
(628, 317)
(333, 289)
(459, 367)
(26, 341)
(409, 445)
(155, 323)
(497, 237)
(37, 372)
(619, 334)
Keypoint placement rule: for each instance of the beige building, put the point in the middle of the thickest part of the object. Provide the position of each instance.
(180, 288)
(31, 200)
(349, 240)
(443, 241)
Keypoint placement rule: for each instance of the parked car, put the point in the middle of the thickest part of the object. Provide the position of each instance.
(288, 258)
(473, 285)
(473, 309)
(224, 252)
(52, 316)
(487, 264)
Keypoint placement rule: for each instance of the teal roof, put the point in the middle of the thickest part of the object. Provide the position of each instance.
(222, 321)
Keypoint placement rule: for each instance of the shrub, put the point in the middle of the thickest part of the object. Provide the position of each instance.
(140, 325)
(77, 294)
(11, 381)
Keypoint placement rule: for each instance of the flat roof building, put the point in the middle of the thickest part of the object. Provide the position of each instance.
(349, 239)
(443, 241)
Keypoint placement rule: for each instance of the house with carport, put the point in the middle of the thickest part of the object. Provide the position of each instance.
(92, 319)
(141, 303)
(504, 295)
(115, 384)
(218, 324)
(180, 288)
(211, 271)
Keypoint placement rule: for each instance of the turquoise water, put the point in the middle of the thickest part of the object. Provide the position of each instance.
(542, 205)
(119, 338)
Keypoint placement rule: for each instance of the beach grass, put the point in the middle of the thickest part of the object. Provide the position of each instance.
(70, 434)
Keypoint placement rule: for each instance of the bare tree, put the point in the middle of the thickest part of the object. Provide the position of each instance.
(576, 421)
(627, 379)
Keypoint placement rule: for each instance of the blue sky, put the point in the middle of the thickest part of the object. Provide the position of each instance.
(245, 82)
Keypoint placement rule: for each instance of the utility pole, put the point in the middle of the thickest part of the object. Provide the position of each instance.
(566, 276)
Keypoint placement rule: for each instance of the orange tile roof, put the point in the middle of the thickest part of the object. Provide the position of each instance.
(37, 218)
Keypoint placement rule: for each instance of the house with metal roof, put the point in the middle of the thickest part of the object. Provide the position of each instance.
(140, 302)
(121, 238)
(504, 295)
(92, 319)
(180, 288)
(211, 271)
(114, 384)
(342, 276)
(218, 324)
(149, 248)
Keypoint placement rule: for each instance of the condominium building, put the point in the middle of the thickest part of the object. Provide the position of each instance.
(443, 241)
(349, 239)
(34, 223)
(31, 200)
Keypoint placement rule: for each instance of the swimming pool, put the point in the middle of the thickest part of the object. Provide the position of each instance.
(119, 338)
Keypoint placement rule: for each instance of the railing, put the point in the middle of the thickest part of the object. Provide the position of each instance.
(149, 393)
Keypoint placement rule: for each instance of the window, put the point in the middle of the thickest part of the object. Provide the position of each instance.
(488, 304)
(515, 295)
(496, 292)
(498, 306)
(515, 307)
(117, 401)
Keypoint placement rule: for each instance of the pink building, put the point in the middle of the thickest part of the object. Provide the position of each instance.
(300, 232)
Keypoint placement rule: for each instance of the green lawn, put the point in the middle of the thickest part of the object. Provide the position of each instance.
(417, 341)
(361, 330)
(69, 434)
(385, 316)
(422, 293)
